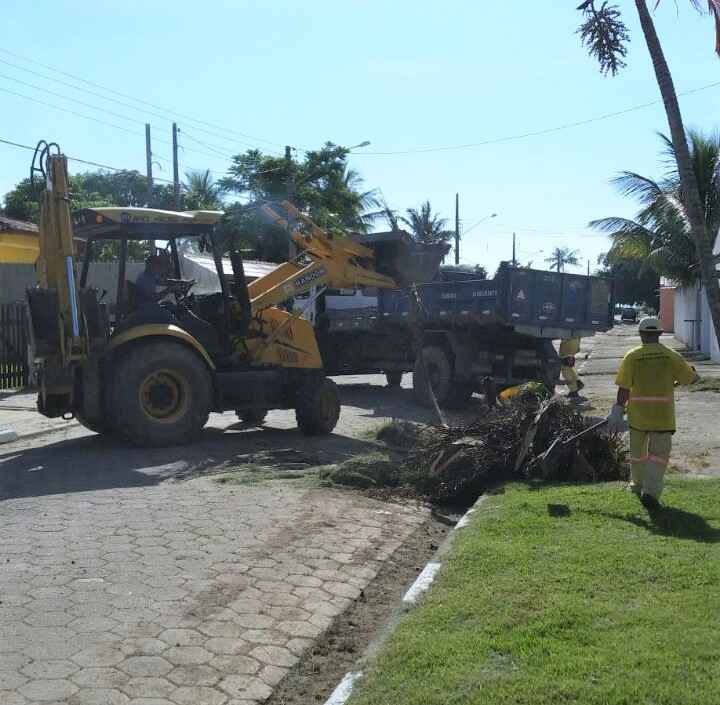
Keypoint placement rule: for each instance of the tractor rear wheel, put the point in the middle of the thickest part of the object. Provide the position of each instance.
(101, 426)
(318, 406)
(160, 394)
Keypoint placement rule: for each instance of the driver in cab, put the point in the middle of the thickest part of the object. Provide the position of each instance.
(150, 280)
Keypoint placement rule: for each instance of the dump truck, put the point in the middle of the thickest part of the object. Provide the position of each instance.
(476, 335)
(152, 371)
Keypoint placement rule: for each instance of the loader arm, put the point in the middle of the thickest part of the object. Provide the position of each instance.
(335, 261)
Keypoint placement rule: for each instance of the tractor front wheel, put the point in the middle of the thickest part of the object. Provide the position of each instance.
(318, 406)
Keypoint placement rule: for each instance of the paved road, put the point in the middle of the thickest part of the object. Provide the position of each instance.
(133, 577)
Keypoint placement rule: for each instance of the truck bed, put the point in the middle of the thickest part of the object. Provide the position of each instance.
(533, 302)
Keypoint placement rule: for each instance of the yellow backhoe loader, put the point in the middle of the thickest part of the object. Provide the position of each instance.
(152, 371)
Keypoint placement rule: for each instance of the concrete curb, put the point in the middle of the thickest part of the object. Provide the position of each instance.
(410, 600)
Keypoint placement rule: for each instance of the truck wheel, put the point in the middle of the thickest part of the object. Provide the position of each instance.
(255, 417)
(160, 394)
(394, 378)
(318, 407)
(439, 370)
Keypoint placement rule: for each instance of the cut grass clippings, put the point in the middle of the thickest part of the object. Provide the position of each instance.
(567, 594)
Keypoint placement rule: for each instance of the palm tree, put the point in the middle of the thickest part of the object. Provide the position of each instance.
(660, 233)
(366, 206)
(200, 192)
(605, 36)
(560, 257)
(425, 226)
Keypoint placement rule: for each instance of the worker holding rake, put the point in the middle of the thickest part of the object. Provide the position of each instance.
(646, 381)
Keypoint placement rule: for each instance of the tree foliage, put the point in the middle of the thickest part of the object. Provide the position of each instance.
(659, 237)
(604, 35)
(632, 282)
(320, 184)
(562, 256)
(425, 226)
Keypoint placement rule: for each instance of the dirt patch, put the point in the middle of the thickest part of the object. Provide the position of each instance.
(337, 651)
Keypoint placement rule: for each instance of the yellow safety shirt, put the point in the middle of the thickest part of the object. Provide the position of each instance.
(650, 372)
(569, 347)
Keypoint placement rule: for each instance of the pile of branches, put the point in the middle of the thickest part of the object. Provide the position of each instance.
(457, 464)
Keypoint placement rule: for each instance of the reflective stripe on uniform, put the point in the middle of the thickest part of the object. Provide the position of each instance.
(658, 459)
(651, 400)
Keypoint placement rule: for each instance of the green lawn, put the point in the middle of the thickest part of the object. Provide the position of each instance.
(567, 595)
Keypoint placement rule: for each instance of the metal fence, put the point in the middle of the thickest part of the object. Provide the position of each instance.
(14, 369)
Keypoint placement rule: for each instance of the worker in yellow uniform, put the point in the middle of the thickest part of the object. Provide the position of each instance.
(569, 348)
(646, 381)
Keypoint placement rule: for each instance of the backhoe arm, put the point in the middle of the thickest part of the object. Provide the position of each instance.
(335, 261)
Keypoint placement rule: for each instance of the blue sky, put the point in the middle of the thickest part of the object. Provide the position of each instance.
(403, 75)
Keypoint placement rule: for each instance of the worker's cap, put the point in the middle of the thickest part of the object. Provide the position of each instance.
(651, 324)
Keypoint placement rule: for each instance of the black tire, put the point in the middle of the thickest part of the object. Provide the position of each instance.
(448, 392)
(255, 417)
(318, 406)
(160, 394)
(394, 378)
(96, 426)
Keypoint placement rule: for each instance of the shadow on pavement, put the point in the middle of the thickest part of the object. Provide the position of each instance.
(401, 403)
(102, 462)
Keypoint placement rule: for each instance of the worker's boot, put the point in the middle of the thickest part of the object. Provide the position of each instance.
(649, 502)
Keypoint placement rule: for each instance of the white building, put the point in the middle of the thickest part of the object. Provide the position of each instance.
(692, 319)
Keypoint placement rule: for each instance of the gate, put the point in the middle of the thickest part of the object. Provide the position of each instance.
(14, 372)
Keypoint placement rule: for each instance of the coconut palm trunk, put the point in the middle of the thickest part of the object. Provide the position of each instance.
(703, 240)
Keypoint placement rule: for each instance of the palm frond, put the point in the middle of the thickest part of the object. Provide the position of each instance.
(637, 186)
(713, 9)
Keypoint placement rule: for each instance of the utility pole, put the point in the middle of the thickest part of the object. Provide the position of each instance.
(457, 228)
(588, 267)
(559, 262)
(176, 173)
(290, 183)
(148, 166)
(148, 169)
(514, 259)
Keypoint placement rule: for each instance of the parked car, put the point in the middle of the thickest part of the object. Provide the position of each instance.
(629, 314)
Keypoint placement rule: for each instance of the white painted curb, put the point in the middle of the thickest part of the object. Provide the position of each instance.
(410, 599)
(7, 435)
(422, 583)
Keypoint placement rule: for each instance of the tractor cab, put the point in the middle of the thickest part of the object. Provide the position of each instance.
(154, 290)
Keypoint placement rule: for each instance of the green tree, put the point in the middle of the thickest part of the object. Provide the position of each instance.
(425, 226)
(560, 257)
(91, 189)
(605, 36)
(659, 236)
(200, 192)
(631, 282)
(321, 185)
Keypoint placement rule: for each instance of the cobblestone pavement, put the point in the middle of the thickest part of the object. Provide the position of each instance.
(129, 577)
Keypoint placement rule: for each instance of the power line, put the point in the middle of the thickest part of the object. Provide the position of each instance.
(138, 100)
(94, 119)
(536, 133)
(77, 159)
(144, 111)
(71, 112)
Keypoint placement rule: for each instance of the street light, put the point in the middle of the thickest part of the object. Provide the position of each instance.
(366, 143)
(479, 222)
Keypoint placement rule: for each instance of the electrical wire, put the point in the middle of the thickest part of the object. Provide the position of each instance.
(139, 100)
(98, 120)
(80, 161)
(536, 133)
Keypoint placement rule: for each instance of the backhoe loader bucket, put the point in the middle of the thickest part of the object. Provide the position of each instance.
(398, 256)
